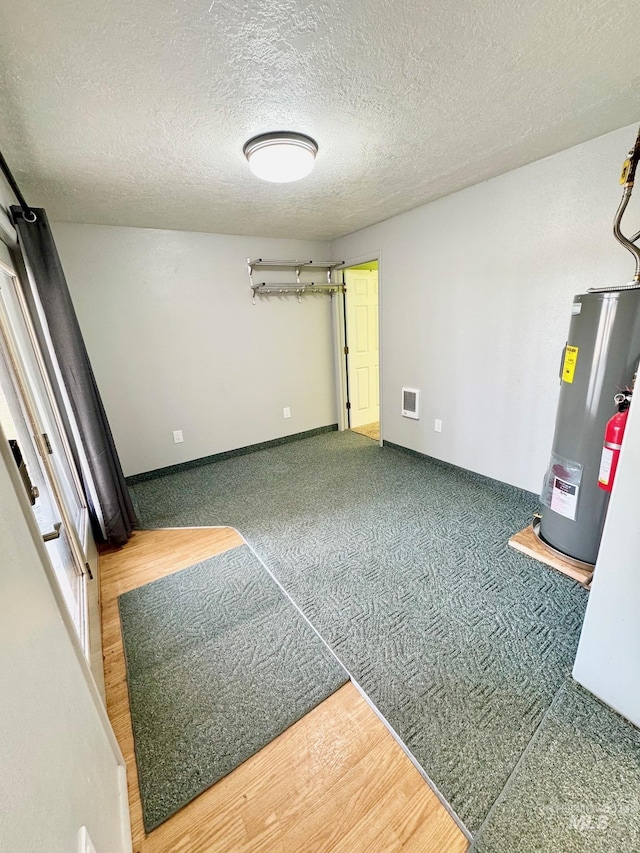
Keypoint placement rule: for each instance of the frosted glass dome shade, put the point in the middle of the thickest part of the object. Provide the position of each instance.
(281, 157)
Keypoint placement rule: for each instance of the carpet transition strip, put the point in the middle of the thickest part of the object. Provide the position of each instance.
(402, 565)
(577, 787)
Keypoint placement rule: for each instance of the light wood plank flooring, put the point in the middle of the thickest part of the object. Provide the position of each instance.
(335, 781)
(370, 430)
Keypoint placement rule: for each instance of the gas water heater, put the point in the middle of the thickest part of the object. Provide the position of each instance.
(600, 360)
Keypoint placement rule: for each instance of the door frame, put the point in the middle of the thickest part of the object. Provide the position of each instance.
(84, 531)
(340, 356)
(28, 395)
(98, 701)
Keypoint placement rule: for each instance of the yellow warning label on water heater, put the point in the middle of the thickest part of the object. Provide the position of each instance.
(570, 361)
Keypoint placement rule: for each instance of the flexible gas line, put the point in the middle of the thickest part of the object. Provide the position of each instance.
(626, 179)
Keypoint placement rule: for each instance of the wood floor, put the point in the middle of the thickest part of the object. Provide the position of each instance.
(528, 543)
(370, 430)
(335, 781)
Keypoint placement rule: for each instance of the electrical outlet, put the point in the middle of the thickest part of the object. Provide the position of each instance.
(177, 436)
(437, 427)
(86, 844)
(286, 412)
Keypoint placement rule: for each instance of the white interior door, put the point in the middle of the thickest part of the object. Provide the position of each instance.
(31, 426)
(363, 361)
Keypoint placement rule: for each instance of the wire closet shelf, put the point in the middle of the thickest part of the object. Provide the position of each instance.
(299, 286)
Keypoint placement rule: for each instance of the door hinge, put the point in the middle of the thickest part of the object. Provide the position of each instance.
(346, 350)
(348, 405)
(47, 443)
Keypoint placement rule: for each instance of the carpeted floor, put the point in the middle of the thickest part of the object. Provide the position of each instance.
(219, 662)
(577, 787)
(403, 566)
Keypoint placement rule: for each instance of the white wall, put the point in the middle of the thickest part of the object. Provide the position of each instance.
(7, 198)
(59, 768)
(476, 292)
(176, 343)
(608, 659)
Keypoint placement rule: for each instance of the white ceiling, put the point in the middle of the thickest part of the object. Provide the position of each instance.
(134, 112)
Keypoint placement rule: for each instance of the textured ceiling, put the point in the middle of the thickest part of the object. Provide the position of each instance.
(135, 113)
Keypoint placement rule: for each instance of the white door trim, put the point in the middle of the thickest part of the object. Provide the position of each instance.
(63, 610)
(79, 535)
(339, 337)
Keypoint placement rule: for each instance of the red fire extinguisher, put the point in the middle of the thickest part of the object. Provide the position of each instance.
(613, 436)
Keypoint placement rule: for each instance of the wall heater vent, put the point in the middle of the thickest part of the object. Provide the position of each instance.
(410, 403)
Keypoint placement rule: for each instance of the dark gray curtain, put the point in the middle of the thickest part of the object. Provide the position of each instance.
(41, 257)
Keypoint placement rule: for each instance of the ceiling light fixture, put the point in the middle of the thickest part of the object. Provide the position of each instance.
(281, 157)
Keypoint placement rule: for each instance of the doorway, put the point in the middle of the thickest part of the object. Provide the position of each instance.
(362, 348)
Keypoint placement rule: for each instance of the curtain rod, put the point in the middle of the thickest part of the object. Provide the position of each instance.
(6, 171)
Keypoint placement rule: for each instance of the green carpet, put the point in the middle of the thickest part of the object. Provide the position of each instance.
(219, 662)
(402, 565)
(577, 787)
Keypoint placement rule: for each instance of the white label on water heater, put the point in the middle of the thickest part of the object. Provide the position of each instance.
(564, 498)
(576, 308)
(605, 466)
